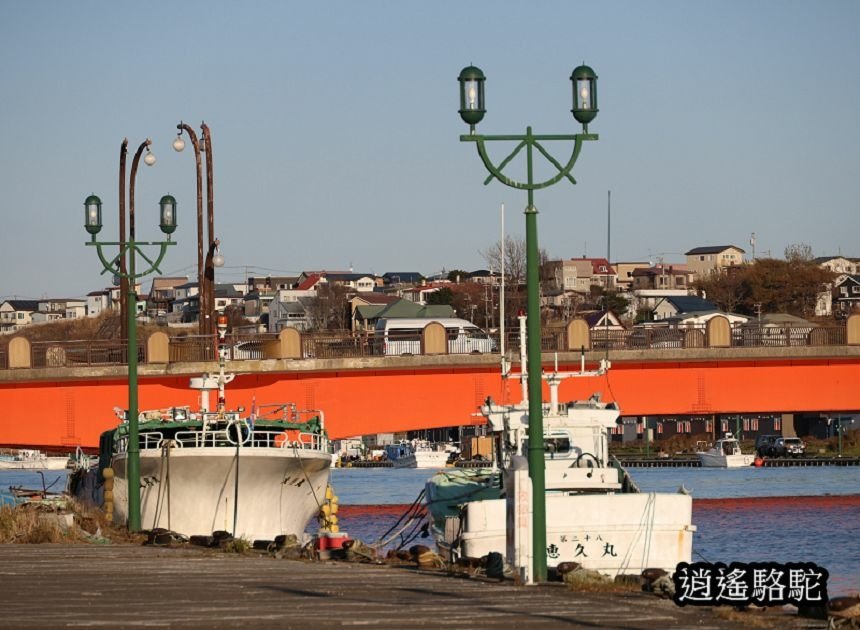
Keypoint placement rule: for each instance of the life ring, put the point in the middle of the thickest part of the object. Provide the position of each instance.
(287, 438)
(238, 433)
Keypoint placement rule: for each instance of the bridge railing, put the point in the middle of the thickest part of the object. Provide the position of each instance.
(346, 345)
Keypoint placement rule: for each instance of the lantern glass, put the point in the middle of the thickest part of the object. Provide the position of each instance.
(472, 107)
(93, 214)
(168, 214)
(584, 81)
(582, 94)
(178, 144)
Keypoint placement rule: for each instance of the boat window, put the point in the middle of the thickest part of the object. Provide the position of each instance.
(556, 446)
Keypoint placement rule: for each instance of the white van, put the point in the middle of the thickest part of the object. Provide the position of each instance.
(397, 336)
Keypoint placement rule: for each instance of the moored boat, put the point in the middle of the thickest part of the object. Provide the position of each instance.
(256, 475)
(32, 459)
(725, 453)
(416, 454)
(595, 514)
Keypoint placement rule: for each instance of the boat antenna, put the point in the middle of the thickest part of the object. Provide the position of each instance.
(222, 357)
(502, 296)
(608, 263)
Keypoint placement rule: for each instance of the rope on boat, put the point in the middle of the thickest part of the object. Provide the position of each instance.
(413, 517)
(164, 487)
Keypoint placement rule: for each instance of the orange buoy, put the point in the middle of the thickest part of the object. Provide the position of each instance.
(758, 462)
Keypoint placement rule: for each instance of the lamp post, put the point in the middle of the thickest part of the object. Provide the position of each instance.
(472, 110)
(131, 247)
(213, 257)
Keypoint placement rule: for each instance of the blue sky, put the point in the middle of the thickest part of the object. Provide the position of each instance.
(336, 136)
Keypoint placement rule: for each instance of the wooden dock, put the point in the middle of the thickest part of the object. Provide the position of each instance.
(123, 586)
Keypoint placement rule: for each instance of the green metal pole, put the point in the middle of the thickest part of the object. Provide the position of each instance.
(133, 450)
(537, 464)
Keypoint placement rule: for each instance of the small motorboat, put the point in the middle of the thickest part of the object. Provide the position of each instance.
(725, 453)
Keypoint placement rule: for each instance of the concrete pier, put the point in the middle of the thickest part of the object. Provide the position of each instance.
(125, 586)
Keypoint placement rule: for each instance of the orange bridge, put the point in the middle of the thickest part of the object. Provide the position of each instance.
(68, 407)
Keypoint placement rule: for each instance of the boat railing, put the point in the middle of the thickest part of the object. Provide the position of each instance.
(289, 439)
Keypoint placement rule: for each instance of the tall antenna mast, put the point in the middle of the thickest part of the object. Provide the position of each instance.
(502, 296)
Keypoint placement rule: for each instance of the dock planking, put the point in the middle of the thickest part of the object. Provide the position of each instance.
(123, 586)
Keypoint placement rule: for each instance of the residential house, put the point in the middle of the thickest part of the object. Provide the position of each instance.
(399, 278)
(712, 259)
(356, 281)
(580, 274)
(98, 302)
(366, 307)
(839, 264)
(485, 277)
(53, 309)
(269, 284)
(186, 302)
(290, 314)
(287, 308)
(681, 304)
(419, 294)
(15, 314)
(406, 308)
(228, 295)
(604, 326)
(624, 273)
(846, 294)
(162, 292)
(653, 284)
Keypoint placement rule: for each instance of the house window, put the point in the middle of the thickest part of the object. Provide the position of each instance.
(701, 258)
(20, 315)
(855, 290)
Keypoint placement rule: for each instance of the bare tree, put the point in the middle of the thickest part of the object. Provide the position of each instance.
(798, 253)
(514, 253)
(328, 310)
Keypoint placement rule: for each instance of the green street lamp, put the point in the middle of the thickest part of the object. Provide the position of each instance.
(472, 110)
(128, 248)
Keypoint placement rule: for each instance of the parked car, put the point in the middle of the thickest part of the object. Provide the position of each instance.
(764, 445)
(788, 446)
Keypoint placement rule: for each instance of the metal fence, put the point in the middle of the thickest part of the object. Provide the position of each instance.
(346, 345)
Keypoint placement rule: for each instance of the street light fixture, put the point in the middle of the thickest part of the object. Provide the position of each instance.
(129, 247)
(472, 110)
(205, 265)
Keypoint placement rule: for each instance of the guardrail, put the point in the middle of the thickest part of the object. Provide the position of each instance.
(345, 345)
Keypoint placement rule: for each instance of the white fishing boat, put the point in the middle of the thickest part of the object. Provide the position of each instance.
(725, 453)
(595, 514)
(417, 454)
(256, 476)
(32, 459)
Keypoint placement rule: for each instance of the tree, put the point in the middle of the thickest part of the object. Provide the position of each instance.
(777, 286)
(329, 309)
(798, 253)
(514, 254)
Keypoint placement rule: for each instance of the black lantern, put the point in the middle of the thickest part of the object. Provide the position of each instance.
(472, 95)
(584, 94)
(93, 214)
(168, 214)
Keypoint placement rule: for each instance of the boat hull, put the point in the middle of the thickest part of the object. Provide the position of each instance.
(708, 460)
(193, 491)
(610, 533)
(47, 463)
(422, 459)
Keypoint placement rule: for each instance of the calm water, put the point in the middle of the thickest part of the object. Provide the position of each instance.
(745, 515)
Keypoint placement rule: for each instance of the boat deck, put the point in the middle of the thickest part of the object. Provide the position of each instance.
(187, 588)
